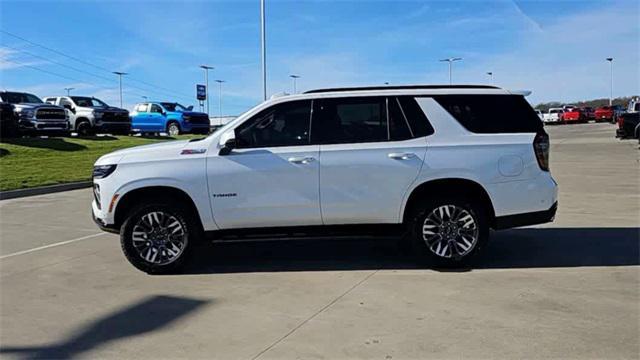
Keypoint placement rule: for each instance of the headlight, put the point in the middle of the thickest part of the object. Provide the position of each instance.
(102, 171)
(97, 115)
(28, 113)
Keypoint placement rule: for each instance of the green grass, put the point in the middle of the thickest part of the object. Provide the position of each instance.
(30, 162)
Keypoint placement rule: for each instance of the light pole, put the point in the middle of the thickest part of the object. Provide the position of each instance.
(220, 96)
(206, 80)
(119, 73)
(490, 73)
(264, 50)
(294, 78)
(69, 89)
(610, 60)
(450, 61)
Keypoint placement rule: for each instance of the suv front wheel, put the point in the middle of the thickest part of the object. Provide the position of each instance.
(158, 238)
(449, 232)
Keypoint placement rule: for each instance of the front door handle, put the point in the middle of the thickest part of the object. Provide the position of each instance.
(401, 156)
(301, 160)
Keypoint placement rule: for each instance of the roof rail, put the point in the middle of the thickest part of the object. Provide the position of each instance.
(401, 87)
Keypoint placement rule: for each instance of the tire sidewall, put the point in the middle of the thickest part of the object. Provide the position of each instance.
(171, 124)
(420, 248)
(132, 255)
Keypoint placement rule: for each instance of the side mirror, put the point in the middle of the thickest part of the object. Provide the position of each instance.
(190, 107)
(228, 146)
(68, 107)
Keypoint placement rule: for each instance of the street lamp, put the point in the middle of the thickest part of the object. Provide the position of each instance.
(264, 50)
(69, 89)
(450, 61)
(206, 80)
(490, 73)
(220, 96)
(294, 78)
(120, 74)
(610, 60)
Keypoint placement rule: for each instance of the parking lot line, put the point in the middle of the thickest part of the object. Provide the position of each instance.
(51, 245)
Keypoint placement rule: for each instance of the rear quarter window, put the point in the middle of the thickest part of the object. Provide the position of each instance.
(491, 114)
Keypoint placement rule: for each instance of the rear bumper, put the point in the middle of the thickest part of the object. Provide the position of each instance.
(526, 219)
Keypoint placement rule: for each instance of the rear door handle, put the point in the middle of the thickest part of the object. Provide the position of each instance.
(401, 156)
(301, 160)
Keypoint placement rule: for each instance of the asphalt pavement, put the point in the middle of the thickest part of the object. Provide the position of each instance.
(570, 289)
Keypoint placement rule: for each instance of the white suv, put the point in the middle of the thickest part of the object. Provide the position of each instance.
(437, 165)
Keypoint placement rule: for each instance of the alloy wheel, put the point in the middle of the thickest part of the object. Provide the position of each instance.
(159, 238)
(450, 231)
(174, 130)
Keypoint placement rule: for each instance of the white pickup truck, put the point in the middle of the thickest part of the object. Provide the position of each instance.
(554, 115)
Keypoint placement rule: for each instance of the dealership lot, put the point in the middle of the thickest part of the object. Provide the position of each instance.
(566, 289)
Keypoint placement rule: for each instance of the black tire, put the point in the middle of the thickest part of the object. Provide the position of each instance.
(174, 125)
(462, 257)
(137, 255)
(83, 128)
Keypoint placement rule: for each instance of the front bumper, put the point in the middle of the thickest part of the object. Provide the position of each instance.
(113, 126)
(44, 125)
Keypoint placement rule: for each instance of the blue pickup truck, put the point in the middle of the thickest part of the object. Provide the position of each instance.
(169, 117)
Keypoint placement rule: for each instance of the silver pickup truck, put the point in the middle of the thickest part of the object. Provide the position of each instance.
(35, 116)
(88, 115)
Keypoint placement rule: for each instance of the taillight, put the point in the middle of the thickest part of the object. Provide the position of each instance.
(541, 148)
(620, 122)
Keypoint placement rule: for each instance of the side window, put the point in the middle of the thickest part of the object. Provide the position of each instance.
(491, 114)
(416, 118)
(350, 120)
(156, 108)
(398, 126)
(142, 108)
(65, 103)
(285, 124)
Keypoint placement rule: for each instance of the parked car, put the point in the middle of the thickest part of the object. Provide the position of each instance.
(169, 117)
(553, 116)
(604, 113)
(574, 115)
(8, 121)
(88, 115)
(589, 113)
(36, 116)
(379, 160)
(540, 115)
(629, 122)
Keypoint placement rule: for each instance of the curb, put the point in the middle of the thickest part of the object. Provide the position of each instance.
(13, 194)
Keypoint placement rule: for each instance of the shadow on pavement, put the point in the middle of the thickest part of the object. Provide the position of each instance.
(146, 316)
(517, 248)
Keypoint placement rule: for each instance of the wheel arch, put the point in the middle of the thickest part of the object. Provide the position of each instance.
(448, 186)
(139, 195)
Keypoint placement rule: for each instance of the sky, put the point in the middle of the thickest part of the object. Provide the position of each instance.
(556, 49)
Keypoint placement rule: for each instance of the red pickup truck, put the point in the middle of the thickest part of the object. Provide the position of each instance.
(604, 113)
(574, 115)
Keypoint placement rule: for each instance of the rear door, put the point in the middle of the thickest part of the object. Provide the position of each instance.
(369, 156)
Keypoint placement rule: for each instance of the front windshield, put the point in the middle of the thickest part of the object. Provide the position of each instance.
(174, 107)
(20, 98)
(84, 101)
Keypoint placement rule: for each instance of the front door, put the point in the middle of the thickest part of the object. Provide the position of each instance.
(271, 178)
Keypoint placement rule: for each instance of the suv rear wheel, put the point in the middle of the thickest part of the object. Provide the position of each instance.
(449, 232)
(158, 238)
